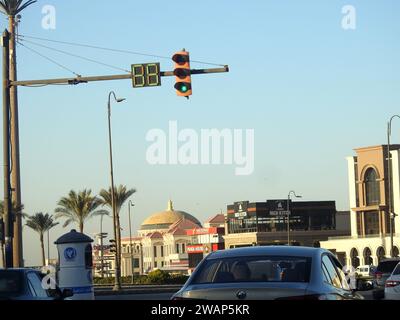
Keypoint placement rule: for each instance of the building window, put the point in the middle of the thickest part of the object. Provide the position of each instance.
(155, 251)
(183, 248)
(177, 248)
(371, 220)
(162, 251)
(372, 190)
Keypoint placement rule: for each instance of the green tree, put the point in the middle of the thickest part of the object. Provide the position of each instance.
(121, 195)
(78, 208)
(41, 223)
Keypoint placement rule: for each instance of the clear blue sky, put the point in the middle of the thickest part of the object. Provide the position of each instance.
(311, 91)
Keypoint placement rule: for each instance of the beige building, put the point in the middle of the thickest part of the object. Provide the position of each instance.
(368, 176)
(161, 244)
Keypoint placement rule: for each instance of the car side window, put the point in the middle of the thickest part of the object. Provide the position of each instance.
(31, 289)
(36, 283)
(339, 269)
(331, 270)
(325, 274)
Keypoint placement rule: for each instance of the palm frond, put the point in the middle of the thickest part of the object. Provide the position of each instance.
(40, 222)
(78, 207)
(121, 195)
(13, 7)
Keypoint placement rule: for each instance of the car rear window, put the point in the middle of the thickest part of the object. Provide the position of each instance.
(254, 269)
(387, 266)
(10, 283)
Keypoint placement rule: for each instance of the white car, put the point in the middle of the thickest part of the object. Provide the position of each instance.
(392, 285)
(365, 271)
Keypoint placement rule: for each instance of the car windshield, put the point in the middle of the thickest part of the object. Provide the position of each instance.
(254, 269)
(387, 266)
(10, 283)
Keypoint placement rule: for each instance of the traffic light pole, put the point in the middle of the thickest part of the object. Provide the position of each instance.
(79, 80)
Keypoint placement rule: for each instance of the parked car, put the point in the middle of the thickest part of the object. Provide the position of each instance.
(268, 273)
(365, 271)
(382, 273)
(26, 284)
(392, 286)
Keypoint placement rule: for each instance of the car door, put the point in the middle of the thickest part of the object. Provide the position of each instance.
(35, 285)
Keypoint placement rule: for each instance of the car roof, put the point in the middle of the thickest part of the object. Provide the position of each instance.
(390, 259)
(268, 250)
(20, 270)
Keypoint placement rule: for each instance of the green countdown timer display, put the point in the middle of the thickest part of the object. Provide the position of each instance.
(146, 75)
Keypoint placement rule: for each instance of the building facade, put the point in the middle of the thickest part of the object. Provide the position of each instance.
(368, 176)
(265, 223)
(161, 243)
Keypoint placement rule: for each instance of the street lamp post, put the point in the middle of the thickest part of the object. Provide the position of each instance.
(390, 205)
(130, 204)
(117, 259)
(48, 247)
(101, 248)
(288, 214)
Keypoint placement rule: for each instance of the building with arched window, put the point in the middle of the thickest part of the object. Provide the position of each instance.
(369, 192)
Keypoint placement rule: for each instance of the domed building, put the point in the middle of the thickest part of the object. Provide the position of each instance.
(161, 243)
(162, 221)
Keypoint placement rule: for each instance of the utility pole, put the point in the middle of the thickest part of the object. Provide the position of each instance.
(8, 218)
(15, 172)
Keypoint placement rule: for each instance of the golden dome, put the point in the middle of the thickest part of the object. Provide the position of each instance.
(163, 219)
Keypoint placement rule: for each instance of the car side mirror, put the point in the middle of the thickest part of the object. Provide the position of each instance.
(67, 293)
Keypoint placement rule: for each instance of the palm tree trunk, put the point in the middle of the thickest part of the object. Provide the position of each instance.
(81, 226)
(42, 245)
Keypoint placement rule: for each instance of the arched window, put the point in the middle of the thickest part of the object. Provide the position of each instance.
(355, 261)
(372, 190)
(380, 253)
(367, 257)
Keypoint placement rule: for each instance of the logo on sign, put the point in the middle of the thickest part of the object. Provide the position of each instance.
(70, 253)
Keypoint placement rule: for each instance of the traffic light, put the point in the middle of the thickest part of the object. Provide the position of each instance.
(183, 83)
(113, 247)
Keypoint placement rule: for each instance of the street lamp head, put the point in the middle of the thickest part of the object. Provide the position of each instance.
(121, 100)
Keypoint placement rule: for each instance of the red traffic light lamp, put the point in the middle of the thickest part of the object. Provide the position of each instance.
(182, 73)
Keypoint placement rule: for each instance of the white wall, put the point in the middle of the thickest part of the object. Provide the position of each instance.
(396, 187)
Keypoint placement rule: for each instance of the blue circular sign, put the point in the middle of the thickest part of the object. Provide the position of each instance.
(70, 253)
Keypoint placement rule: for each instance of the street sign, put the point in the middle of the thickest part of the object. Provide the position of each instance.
(146, 75)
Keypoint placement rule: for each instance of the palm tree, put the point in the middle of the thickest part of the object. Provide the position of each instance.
(78, 208)
(121, 194)
(13, 7)
(41, 223)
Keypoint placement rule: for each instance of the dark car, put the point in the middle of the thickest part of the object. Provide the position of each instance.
(26, 284)
(382, 273)
(268, 273)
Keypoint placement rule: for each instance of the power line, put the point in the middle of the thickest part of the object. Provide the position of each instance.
(49, 59)
(76, 56)
(115, 50)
